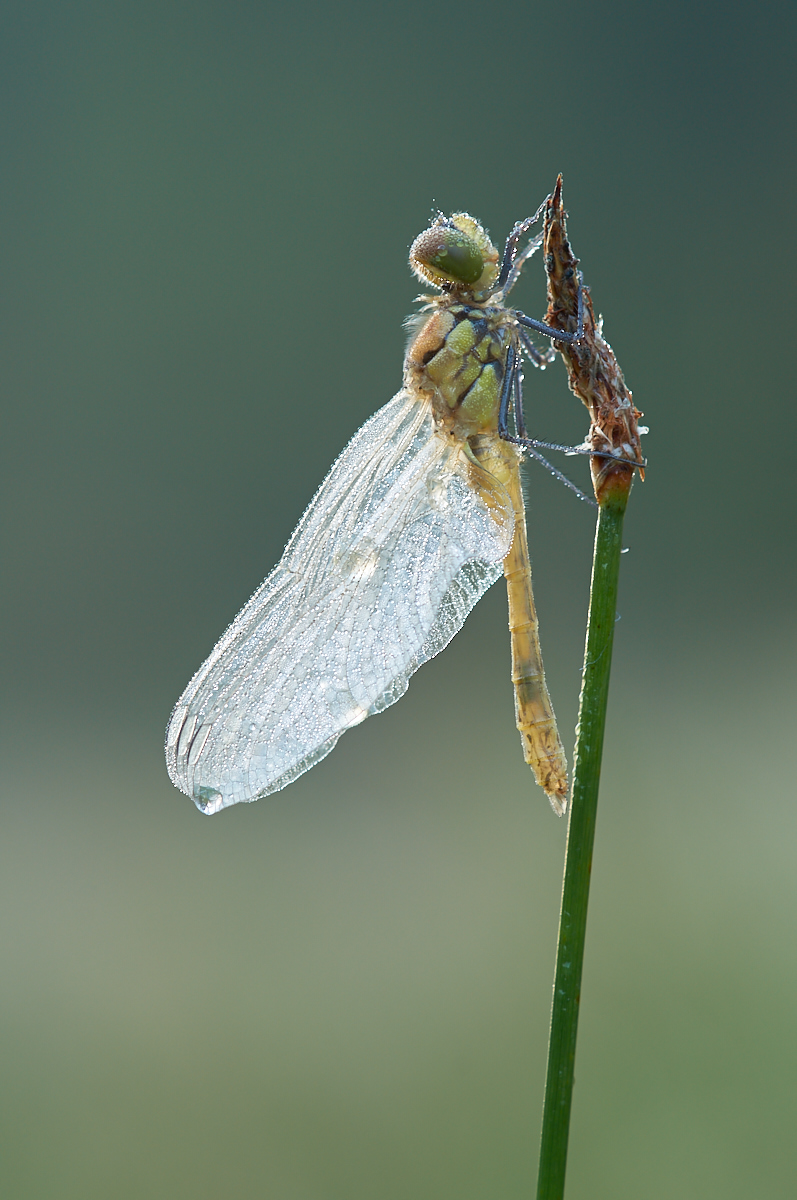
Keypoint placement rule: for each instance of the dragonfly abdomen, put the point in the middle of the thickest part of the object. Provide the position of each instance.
(536, 723)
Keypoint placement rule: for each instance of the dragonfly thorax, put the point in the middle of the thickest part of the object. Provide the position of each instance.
(458, 360)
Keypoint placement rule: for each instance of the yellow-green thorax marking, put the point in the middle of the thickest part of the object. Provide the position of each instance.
(459, 359)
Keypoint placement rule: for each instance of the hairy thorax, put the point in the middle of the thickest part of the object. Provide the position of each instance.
(457, 360)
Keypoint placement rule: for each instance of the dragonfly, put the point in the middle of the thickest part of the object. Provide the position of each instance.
(419, 515)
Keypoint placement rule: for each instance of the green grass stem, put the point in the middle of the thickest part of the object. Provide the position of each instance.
(580, 839)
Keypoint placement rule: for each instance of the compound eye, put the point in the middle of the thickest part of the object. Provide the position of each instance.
(444, 253)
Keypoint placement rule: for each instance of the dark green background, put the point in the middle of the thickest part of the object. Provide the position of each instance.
(342, 993)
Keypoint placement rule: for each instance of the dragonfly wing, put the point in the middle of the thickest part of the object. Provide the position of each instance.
(388, 560)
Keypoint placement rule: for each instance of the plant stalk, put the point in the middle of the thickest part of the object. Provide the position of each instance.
(580, 839)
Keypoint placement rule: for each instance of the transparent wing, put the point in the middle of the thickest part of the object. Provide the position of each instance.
(390, 557)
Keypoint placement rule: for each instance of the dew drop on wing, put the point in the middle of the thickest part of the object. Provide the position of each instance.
(208, 800)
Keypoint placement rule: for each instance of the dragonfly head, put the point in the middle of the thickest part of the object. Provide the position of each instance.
(456, 255)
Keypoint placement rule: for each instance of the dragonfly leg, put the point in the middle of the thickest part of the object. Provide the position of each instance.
(507, 274)
(520, 417)
(507, 389)
(512, 388)
(528, 446)
(534, 443)
(588, 451)
(533, 354)
(557, 334)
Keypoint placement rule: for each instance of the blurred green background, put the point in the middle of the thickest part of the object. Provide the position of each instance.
(342, 992)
